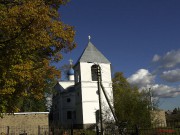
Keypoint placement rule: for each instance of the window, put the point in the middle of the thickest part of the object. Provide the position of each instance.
(74, 115)
(77, 78)
(68, 100)
(94, 69)
(69, 115)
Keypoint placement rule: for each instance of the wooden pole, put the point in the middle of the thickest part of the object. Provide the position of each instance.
(99, 93)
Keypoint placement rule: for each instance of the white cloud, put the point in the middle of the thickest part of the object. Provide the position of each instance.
(169, 60)
(144, 80)
(168, 69)
(156, 58)
(164, 91)
(141, 78)
(171, 75)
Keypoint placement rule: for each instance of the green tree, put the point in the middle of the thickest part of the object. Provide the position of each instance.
(174, 116)
(31, 37)
(31, 104)
(130, 104)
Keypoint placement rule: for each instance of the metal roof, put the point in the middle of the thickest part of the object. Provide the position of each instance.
(71, 71)
(23, 113)
(92, 54)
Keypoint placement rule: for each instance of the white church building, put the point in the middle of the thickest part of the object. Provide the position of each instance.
(76, 101)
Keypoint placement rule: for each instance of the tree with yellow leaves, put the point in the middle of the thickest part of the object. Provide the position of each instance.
(31, 37)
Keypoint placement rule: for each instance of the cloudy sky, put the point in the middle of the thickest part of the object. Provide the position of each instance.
(141, 38)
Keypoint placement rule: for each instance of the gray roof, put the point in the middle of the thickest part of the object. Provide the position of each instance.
(69, 89)
(92, 54)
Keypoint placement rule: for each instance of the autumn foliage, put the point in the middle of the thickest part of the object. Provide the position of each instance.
(32, 36)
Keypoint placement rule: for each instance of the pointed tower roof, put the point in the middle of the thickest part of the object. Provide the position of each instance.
(92, 54)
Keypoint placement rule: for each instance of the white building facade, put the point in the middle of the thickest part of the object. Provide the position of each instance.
(77, 99)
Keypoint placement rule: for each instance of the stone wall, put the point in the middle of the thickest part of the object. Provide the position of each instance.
(31, 123)
(158, 118)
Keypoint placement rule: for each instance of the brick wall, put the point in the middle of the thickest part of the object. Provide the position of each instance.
(19, 123)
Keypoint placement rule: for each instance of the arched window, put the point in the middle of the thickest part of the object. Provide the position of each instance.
(94, 69)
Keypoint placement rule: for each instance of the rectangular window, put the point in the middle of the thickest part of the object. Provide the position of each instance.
(68, 100)
(69, 115)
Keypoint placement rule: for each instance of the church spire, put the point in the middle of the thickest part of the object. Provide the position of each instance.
(92, 54)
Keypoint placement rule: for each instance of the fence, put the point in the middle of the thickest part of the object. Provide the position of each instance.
(155, 131)
(172, 128)
(129, 131)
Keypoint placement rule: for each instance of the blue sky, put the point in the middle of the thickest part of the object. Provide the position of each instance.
(141, 38)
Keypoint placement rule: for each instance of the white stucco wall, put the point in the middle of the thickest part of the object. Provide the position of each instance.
(71, 77)
(61, 106)
(67, 106)
(90, 99)
(66, 84)
(89, 109)
(90, 102)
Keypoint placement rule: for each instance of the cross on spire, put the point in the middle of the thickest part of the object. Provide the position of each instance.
(71, 62)
(89, 37)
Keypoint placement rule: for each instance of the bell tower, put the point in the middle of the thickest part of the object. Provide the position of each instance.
(86, 83)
